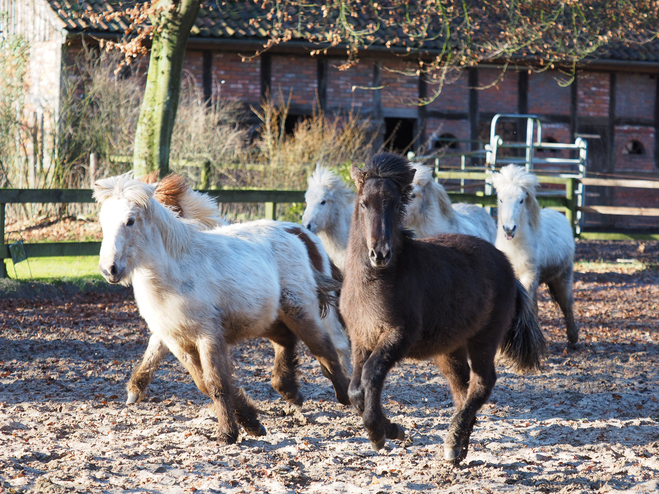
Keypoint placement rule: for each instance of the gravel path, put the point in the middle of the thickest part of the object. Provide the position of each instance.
(589, 422)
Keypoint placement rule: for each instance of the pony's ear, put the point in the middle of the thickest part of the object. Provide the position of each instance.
(358, 175)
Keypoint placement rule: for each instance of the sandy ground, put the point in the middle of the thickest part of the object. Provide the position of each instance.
(589, 422)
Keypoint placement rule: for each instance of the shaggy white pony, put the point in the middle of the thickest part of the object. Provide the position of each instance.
(538, 242)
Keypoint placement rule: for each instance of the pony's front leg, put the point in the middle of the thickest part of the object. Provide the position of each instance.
(216, 378)
(390, 349)
(143, 373)
(356, 388)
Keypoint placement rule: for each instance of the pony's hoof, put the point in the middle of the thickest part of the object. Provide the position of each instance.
(378, 445)
(132, 398)
(453, 455)
(396, 432)
(258, 431)
(224, 438)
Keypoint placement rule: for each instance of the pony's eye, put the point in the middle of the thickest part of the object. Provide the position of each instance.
(130, 222)
(521, 201)
(323, 202)
(501, 201)
(362, 205)
(412, 196)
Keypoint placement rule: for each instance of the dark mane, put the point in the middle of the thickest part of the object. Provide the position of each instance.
(392, 167)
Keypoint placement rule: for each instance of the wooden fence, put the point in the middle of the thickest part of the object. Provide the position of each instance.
(563, 200)
(56, 249)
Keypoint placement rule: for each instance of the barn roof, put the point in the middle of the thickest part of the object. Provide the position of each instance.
(246, 21)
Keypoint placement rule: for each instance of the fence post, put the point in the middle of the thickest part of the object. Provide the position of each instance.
(3, 267)
(571, 212)
(271, 210)
(204, 179)
(93, 166)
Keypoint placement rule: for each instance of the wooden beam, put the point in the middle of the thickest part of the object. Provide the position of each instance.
(613, 182)
(620, 210)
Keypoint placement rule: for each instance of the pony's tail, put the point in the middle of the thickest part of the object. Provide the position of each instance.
(523, 345)
(328, 299)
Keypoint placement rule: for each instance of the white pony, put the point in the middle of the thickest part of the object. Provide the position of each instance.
(202, 291)
(430, 212)
(329, 209)
(538, 242)
(201, 210)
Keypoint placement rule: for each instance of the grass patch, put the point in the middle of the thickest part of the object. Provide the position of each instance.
(56, 268)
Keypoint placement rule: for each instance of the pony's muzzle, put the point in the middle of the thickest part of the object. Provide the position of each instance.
(380, 257)
(113, 274)
(510, 231)
(310, 226)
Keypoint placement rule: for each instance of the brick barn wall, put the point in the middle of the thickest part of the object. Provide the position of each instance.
(242, 79)
(500, 98)
(454, 96)
(193, 69)
(635, 95)
(561, 133)
(593, 91)
(458, 128)
(546, 96)
(340, 84)
(399, 91)
(629, 162)
(296, 76)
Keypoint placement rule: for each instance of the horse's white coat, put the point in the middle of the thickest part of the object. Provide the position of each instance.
(190, 283)
(534, 239)
(328, 213)
(430, 212)
(538, 242)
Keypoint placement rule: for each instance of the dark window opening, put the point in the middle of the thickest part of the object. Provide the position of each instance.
(446, 142)
(399, 134)
(549, 140)
(634, 148)
(291, 122)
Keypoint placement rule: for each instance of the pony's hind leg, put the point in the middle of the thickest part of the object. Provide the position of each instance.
(312, 333)
(284, 378)
(560, 288)
(247, 414)
(143, 373)
(481, 382)
(455, 368)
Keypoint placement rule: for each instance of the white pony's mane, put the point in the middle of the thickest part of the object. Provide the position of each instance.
(432, 190)
(123, 187)
(513, 177)
(175, 231)
(325, 178)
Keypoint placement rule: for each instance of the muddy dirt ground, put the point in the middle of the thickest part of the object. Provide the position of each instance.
(589, 422)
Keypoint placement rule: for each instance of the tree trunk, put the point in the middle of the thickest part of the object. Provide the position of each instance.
(153, 136)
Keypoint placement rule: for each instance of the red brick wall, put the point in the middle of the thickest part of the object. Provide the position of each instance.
(500, 98)
(593, 94)
(630, 162)
(458, 128)
(242, 79)
(340, 84)
(630, 197)
(561, 133)
(454, 96)
(193, 69)
(296, 76)
(546, 96)
(399, 91)
(635, 95)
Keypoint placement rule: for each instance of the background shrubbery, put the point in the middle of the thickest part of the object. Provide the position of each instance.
(240, 147)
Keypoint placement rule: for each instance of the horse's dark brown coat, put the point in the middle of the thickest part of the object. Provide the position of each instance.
(452, 298)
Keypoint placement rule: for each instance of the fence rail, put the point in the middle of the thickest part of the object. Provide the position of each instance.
(56, 249)
(565, 201)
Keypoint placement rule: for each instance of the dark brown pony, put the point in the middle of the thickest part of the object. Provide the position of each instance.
(452, 298)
